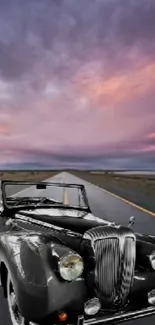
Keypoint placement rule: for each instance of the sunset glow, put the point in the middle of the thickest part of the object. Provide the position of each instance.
(77, 84)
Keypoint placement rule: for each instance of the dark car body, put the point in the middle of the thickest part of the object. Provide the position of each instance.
(118, 270)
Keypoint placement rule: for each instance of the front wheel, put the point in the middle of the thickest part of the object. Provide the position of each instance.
(15, 315)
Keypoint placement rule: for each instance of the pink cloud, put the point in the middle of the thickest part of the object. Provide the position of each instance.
(81, 86)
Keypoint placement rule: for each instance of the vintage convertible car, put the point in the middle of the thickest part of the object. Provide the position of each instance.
(61, 264)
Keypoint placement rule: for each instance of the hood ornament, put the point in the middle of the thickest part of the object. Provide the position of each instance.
(131, 221)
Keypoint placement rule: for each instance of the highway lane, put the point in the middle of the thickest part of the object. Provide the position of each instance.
(103, 205)
(111, 208)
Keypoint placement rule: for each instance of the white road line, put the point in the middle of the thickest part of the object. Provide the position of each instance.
(119, 197)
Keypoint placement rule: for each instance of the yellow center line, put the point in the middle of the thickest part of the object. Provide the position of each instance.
(115, 196)
(124, 200)
(65, 196)
(131, 203)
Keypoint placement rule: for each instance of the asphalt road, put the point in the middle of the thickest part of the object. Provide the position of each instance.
(105, 206)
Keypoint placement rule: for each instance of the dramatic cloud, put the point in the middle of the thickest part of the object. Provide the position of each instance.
(77, 83)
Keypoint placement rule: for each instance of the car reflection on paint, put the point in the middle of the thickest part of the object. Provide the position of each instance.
(61, 264)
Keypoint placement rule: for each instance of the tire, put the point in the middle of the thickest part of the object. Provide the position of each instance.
(16, 317)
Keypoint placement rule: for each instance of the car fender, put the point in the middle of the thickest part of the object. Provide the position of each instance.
(145, 248)
(32, 259)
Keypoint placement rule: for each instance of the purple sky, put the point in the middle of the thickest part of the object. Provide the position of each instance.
(77, 83)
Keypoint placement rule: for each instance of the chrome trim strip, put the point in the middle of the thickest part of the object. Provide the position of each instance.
(103, 232)
(121, 317)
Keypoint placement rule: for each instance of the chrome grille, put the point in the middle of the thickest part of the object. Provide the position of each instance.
(114, 252)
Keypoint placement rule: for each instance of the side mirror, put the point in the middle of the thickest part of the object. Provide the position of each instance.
(131, 221)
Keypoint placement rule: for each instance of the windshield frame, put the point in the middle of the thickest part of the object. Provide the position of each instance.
(81, 187)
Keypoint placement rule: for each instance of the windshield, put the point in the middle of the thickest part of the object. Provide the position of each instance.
(43, 194)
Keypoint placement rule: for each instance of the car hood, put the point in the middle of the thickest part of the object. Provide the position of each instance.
(71, 213)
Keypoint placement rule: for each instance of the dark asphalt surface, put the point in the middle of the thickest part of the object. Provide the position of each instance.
(140, 191)
(108, 207)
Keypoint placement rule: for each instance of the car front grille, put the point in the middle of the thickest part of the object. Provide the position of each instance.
(114, 253)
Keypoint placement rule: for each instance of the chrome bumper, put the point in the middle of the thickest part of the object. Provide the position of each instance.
(117, 318)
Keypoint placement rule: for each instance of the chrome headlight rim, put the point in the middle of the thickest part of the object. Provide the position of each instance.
(152, 260)
(63, 259)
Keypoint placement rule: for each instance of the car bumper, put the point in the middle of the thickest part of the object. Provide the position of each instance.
(117, 318)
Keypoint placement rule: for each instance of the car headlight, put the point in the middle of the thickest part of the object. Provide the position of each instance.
(71, 267)
(152, 260)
